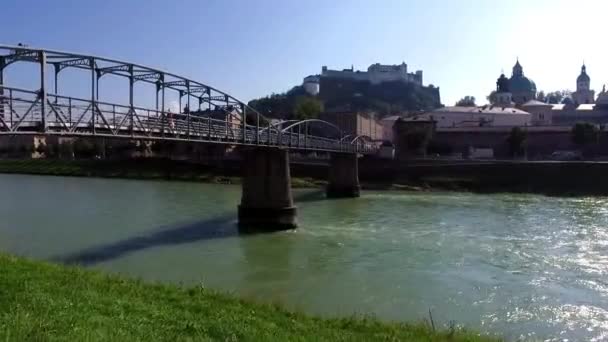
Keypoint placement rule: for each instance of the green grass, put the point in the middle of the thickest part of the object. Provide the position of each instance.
(41, 301)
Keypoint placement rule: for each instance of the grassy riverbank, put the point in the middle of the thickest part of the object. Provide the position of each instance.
(40, 301)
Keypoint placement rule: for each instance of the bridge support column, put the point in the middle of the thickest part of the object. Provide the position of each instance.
(343, 176)
(266, 202)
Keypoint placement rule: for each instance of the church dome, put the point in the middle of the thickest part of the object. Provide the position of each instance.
(522, 84)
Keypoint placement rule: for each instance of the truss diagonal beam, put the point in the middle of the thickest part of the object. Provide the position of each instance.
(57, 115)
(80, 118)
(4, 124)
(25, 115)
(103, 118)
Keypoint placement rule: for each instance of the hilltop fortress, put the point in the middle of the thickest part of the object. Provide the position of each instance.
(375, 74)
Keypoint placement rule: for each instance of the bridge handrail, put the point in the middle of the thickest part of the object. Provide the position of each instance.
(176, 119)
(102, 103)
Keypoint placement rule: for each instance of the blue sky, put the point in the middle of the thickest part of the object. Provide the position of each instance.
(254, 48)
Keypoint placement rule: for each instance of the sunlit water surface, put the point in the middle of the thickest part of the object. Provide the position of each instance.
(523, 266)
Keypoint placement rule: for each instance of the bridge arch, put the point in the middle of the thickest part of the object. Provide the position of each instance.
(42, 111)
(100, 66)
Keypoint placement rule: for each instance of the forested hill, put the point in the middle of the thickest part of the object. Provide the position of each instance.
(386, 98)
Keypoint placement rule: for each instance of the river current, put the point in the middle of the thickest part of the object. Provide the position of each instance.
(521, 266)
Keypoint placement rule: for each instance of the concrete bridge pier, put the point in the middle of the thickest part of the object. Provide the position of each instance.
(266, 202)
(343, 176)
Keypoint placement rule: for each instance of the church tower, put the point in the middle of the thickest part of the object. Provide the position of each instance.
(583, 93)
(518, 70)
(522, 88)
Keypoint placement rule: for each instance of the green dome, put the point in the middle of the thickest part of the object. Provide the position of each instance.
(520, 84)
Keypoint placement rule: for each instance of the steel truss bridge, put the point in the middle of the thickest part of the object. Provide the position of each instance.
(42, 111)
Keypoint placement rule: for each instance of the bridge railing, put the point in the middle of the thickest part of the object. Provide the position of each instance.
(25, 111)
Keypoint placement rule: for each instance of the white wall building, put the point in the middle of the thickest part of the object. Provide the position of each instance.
(485, 116)
(387, 127)
(311, 85)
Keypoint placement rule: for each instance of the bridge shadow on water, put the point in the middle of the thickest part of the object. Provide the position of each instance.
(215, 228)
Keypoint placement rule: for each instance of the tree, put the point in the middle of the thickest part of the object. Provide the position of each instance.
(413, 140)
(278, 105)
(541, 96)
(84, 148)
(558, 96)
(492, 97)
(584, 133)
(467, 101)
(66, 150)
(517, 141)
(307, 108)
(567, 100)
(252, 119)
(386, 98)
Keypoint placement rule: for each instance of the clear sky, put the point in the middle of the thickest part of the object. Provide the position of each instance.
(253, 48)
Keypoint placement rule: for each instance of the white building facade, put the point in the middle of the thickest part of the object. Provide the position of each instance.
(312, 85)
(485, 116)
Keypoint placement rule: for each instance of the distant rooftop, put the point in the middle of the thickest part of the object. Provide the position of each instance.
(488, 109)
(536, 103)
(392, 118)
(586, 106)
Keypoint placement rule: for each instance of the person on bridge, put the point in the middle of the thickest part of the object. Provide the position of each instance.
(170, 119)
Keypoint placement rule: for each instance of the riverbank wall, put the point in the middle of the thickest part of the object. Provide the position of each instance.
(553, 178)
(546, 177)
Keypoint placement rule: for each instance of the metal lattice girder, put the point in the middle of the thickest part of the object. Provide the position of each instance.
(19, 54)
(200, 90)
(149, 76)
(219, 98)
(85, 62)
(180, 83)
(114, 69)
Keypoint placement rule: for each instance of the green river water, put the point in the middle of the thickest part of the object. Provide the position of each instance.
(523, 266)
